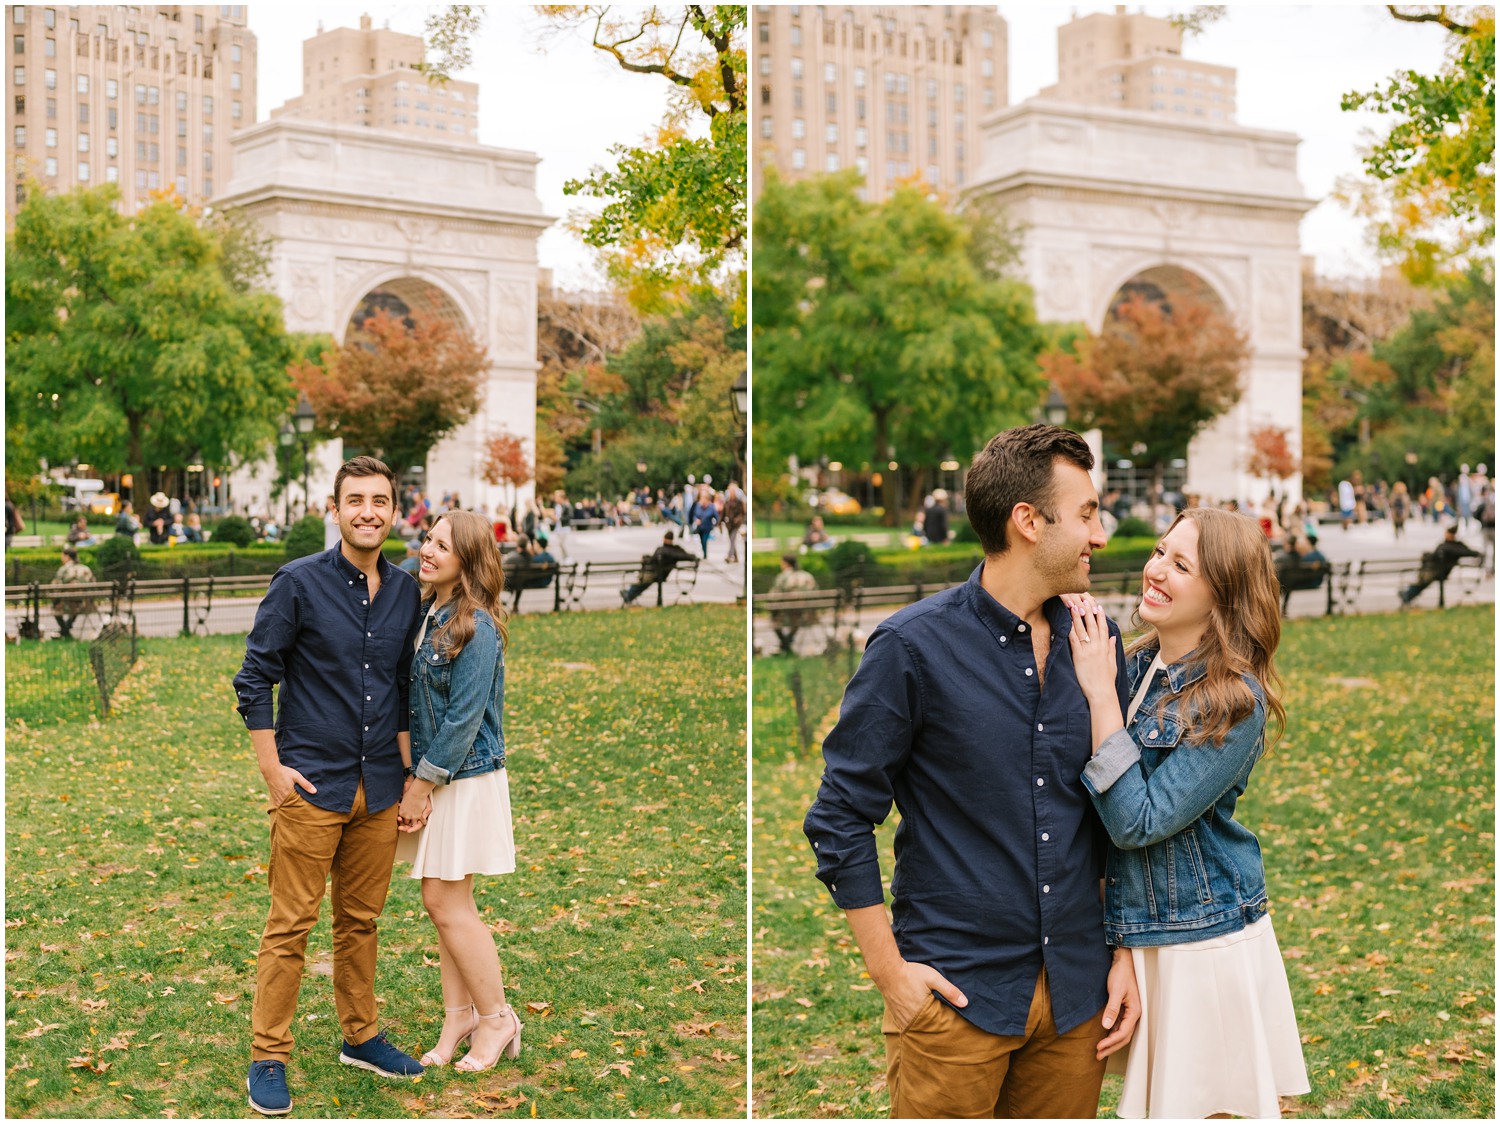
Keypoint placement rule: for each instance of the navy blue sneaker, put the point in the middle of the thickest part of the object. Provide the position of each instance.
(267, 1085)
(380, 1056)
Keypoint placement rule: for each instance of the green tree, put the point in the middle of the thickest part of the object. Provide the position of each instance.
(876, 337)
(1432, 189)
(1435, 396)
(135, 341)
(1158, 373)
(664, 402)
(674, 215)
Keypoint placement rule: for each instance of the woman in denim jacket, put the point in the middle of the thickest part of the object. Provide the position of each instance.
(1185, 889)
(455, 813)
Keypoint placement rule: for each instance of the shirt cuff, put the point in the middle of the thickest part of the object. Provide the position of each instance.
(858, 886)
(260, 716)
(430, 772)
(1114, 759)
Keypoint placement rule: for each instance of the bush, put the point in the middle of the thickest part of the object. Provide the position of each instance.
(848, 562)
(234, 529)
(306, 537)
(116, 555)
(1133, 527)
(963, 531)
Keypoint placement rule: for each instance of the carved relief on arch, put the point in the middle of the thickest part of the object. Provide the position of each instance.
(514, 316)
(1275, 309)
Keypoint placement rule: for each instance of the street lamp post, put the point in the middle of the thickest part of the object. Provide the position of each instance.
(739, 402)
(306, 418)
(288, 435)
(1055, 409)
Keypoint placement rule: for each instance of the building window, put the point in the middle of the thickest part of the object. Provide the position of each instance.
(799, 128)
(987, 68)
(208, 134)
(796, 97)
(111, 175)
(20, 44)
(989, 97)
(50, 48)
(987, 40)
(208, 161)
(831, 133)
(831, 162)
(51, 109)
(111, 147)
(49, 17)
(20, 104)
(182, 126)
(861, 137)
(763, 32)
(113, 115)
(20, 136)
(83, 171)
(51, 166)
(958, 93)
(182, 185)
(51, 82)
(111, 88)
(830, 72)
(859, 108)
(796, 68)
(18, 15)
(799, 158)
(859, 78)
(796, 36)
(182, 156)
(765, 127)
(765, 65)
(83, 113)
(83, 142)
(234, 53)
(18, 75)
(236, 111)
(51, 138)
(83, 83)
(208, 106)
(234, 80)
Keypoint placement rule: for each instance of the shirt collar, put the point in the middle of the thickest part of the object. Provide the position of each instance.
(350, 572)
(1003, 623)
(1180, 675)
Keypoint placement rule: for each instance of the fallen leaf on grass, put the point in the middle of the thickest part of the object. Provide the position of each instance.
(538, 1008)
(226, 997)
(695, 1029)
(39, 1030)
(493, 1102)
(83, 1061)
(805, 1002)
(721, 1056)
(94, 1004)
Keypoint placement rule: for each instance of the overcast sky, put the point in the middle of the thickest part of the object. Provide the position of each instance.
(570, 102)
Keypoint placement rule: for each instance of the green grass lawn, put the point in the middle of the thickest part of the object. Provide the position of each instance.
(1376, 818)
(136, 893)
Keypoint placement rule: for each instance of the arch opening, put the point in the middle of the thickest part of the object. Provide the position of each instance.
(402, 297)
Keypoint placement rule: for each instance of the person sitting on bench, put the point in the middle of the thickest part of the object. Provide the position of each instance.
(1300, 569)
(66, 610)
(1438, 563)
(655, 567)
(787, 622)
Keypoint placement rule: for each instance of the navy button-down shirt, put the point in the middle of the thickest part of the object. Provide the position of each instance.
(999, 851)
(343, 659)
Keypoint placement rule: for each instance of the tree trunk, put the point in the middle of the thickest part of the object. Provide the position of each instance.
(882, 460)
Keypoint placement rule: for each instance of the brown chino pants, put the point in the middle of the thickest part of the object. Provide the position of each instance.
(942, 1065)
(307, 843)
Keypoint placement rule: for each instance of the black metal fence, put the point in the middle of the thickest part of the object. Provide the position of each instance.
(49, 681)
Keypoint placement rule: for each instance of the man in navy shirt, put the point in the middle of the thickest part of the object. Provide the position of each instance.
(336, 631)
(1001, 996)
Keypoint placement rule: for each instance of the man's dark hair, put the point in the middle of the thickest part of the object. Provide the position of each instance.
(362, 466)
(668, 537)
(790, 560)
(1016, 467)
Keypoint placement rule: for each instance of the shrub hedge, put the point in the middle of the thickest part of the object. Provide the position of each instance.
(184, 560)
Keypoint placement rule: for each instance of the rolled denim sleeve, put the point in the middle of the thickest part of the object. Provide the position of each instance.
(271, 637)
(863, 753)
(1138, 810)
(469, 683)
(403, 676)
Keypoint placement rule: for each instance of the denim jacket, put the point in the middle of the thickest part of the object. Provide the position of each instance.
(1179, 868)
(456, 703)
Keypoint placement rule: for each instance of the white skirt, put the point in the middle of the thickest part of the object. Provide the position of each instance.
(1217, 1030)
(469, 831)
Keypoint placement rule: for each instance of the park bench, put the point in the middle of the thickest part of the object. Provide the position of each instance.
(544, 575)
(803, 610)
(32, 607)
(683, 578)
(1294, 574)
(28, 540)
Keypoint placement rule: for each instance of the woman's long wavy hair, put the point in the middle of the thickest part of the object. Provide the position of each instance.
(481, 581)
(1244, 626)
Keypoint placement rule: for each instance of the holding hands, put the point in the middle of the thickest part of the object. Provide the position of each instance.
(416, 805)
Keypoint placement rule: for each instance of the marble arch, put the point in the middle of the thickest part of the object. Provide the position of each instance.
(450, 228)
(1106, 195)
